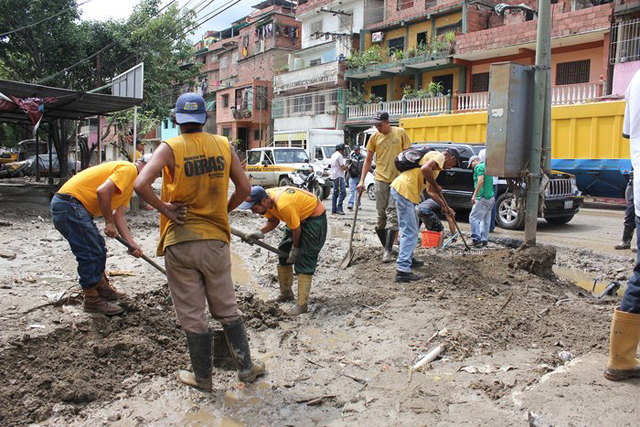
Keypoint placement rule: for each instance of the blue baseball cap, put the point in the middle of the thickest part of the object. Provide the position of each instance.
(257, 194)
(191, 108)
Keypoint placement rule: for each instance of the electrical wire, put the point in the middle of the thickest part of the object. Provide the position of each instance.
(69, 9)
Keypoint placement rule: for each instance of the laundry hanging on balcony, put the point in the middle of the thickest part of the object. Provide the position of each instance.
(264, 31)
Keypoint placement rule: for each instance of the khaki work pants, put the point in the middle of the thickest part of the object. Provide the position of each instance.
(386, 207)
(199, 274)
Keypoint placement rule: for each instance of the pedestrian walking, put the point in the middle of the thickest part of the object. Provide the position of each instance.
(338, 170)
(406, 190)
(483, 199)
(385, 144)
(354, 169)
(629, 218)
(194, 237)
(303, 237)
(625, 325)
(102, 190)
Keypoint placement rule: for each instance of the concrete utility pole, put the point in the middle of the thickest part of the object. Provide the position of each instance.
(539, 121)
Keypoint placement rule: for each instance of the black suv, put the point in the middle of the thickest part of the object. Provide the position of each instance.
(562, 199)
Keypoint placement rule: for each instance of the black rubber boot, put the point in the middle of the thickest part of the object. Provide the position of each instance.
(403, 277)
(388, 247)
(239, 348)
(627, 235)
(200, 352)
(382, 235)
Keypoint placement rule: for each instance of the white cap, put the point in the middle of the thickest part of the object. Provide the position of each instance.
(483, 155)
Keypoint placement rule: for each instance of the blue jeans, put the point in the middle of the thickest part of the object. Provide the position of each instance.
(353, 183)
(480, 219)
(76, 225)
(630, 212)
(408, 225)
(631, 300)
(494, 211)
(340, 189)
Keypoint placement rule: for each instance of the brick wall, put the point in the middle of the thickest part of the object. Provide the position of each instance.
(311, 5)
(563, 24)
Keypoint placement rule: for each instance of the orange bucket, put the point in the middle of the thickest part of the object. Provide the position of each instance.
(430, 239)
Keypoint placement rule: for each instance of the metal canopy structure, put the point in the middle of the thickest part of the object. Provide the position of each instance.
(69, 104)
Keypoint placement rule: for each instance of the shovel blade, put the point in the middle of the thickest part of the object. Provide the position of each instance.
(348, 258)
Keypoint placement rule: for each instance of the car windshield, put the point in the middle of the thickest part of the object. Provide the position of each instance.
(328, 151)
(291, 156)
(254, 158)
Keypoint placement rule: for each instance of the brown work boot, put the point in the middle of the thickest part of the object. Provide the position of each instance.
(94, 303)
(108, 292)
(285, 279)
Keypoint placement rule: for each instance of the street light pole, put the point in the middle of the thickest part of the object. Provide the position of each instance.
(539, 121)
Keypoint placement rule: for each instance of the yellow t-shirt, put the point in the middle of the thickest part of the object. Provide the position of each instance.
(410, 184)
(387, 147)
(201, 179)
(293, 205)
(138, 155)
(84, 185)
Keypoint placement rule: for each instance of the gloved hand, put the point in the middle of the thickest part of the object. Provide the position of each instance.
(256, 235)
(293, 255)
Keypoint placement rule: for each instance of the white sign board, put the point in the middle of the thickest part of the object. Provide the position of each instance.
(130, 83)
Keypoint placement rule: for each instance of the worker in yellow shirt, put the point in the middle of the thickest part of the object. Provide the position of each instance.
(102, 190)
(406, 190)
(386, 144)
(303, 238)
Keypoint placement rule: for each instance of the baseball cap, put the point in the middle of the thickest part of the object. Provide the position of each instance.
(380, 116)
(257, 194)
(473, 159)
(191, 108)
(455, 153)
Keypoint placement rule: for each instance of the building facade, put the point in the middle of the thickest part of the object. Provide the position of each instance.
(310, 92)
(624, 55)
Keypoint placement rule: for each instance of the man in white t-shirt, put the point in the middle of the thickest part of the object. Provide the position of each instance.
(338, 169)
(625, 325)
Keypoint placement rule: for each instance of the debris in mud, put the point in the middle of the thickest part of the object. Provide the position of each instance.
(258, 314)
(538, 260)
(494, 389)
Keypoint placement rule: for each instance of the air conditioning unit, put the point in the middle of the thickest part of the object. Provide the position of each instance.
(377, 37)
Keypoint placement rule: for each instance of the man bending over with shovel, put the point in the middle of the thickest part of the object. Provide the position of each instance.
(195, 234)
(102, 190)
(303, 236)
(406, 190)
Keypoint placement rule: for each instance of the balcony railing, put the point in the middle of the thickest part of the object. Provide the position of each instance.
(476, 101)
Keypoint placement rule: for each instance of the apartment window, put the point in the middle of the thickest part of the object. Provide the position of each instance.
(568, 73)
(480, 82)
(316, 27)
(315, 62)
(257, 135)
(320, 104)
(456, 28)
(422, 39)
(625, 41)
(225, 101)
(404, 4)
(166, 124)
(396, 44)
(224, 62)
(346, 21)
(226, 132)
(234, 57)
(379, 91)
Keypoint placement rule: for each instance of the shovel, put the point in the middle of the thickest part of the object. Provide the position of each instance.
(348, 257)
(144, 257)
(446, 206)
(242, 235)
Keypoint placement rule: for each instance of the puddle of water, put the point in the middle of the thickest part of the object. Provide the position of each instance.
(241, 275)
(203, 418)
(343, 232)
(585, 281)
(330, 339)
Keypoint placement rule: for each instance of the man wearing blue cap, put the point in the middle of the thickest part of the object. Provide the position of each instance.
(195, 235)
(303, 237)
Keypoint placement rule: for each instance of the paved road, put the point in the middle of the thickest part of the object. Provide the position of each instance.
(596, 229)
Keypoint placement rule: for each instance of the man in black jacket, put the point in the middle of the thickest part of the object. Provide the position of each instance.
(354, 169)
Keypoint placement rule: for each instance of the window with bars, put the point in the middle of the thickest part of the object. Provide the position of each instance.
(320, 104)
(225, 101)
(346, 21)
(315, 62)
(316, 28)
(396, 44)
(625, 41)
(480, 82)
(404, 4)
(568, 73)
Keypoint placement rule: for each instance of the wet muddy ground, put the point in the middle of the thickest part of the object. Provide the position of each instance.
(512, 332)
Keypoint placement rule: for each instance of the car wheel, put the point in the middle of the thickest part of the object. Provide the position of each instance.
(508, 215)
(284, 182)
(559, 220)
(371, 192)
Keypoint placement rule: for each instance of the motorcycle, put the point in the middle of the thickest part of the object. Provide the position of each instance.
(307, 179)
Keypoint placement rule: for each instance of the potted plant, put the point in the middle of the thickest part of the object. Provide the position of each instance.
(450, 39)
(435, 88)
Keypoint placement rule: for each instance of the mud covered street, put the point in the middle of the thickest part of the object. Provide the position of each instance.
(522, 345)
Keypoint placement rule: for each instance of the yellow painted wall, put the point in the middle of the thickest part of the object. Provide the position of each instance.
(448, 20)
(428, 77)
(585, 131)
(398, 81)
(420, 27)
(394, 34)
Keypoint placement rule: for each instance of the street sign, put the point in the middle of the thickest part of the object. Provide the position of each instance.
(129, 84)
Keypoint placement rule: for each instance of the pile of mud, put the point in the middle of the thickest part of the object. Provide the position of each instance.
(65, 370)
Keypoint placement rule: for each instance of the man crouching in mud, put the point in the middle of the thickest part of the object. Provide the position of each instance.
(195, 235)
